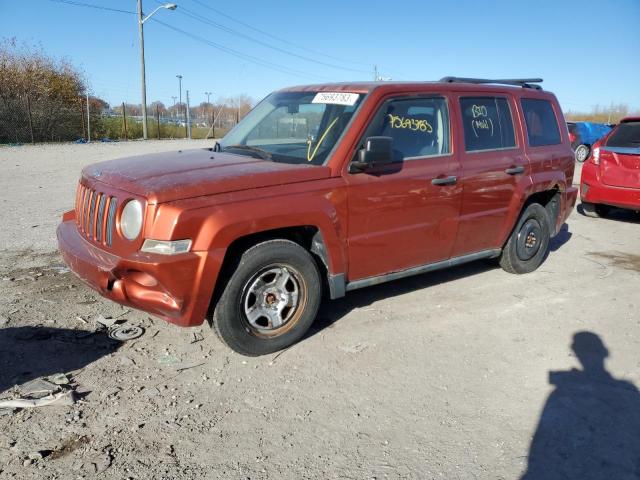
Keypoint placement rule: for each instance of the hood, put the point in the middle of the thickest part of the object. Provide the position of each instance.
(169, 176)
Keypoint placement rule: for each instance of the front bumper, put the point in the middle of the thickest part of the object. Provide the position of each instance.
(176, 288)
(592, 190)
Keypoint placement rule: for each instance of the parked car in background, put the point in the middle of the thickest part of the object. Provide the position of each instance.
(325, 188)
(583, 135)
(611, 177)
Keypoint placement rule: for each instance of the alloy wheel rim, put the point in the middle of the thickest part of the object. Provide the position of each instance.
(582, 154)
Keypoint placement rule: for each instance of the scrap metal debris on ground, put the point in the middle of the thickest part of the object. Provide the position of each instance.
(52, 392)
(119, 330)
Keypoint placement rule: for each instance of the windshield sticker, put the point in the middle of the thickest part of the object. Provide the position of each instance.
(336, 98)
(414, 124)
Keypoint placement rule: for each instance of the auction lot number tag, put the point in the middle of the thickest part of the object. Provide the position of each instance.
(336, 98)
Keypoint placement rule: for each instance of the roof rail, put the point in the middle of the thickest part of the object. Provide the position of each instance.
(519, 82)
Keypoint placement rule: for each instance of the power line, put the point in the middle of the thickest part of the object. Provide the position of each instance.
(236, 53)
(90, 5)
(267, 34)
(208, 21)
(230, 51)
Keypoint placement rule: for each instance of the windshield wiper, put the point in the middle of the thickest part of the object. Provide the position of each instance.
(263, 154)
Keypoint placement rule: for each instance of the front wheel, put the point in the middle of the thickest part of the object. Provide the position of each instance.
(581, 153)
(528, 244)
(271, 299)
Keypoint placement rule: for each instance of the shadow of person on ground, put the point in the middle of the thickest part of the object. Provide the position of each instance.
(31, 352)
(590, 426)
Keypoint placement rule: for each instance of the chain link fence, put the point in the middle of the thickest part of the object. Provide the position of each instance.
(24, 119)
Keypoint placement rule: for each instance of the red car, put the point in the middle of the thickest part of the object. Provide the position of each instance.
(611, 177)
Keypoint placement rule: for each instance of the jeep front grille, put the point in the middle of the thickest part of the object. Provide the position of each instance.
(96, 214)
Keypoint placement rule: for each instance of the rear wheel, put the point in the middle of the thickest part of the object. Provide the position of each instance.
(271, 299)
(528, 244)
(582, 153)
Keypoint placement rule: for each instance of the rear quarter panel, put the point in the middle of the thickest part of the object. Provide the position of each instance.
(552, 166)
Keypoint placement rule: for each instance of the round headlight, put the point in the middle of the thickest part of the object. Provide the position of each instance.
(131, 219)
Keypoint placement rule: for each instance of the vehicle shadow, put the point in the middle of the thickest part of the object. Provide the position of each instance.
(590, 425)
(333, 310)
(30, 352)
(616, 214)
(562, 237)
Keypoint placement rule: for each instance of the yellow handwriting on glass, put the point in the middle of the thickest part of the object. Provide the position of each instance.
(481, 124)
(312, 154)
(479, 111)
(414, 124)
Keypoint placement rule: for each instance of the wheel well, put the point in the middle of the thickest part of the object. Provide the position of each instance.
(550, 200)
(302, 235)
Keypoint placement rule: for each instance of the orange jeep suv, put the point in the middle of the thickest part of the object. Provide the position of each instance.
(325, 189)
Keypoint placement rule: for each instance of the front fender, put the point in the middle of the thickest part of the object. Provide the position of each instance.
(215, 227)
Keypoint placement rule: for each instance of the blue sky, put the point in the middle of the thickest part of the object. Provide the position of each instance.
(588, 52)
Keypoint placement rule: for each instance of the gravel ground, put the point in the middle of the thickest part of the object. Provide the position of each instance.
(461, 374)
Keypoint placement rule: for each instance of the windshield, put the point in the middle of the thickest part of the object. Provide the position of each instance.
(293, 127)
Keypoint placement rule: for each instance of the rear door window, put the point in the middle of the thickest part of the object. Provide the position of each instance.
(626, 135)
(487, 123)
(542, 125)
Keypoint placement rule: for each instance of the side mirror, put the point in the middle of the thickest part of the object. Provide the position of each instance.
(217, 147)
(376, 151)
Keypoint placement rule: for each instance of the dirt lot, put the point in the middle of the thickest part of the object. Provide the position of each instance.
(446, 375)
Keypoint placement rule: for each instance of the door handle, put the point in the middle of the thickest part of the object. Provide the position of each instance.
(444, 180)
(515, 170)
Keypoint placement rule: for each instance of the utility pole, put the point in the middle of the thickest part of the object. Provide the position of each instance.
(124, 120)
(141, 20)
(174, 105)
(142, 71)
(88, 122)
(188, 118)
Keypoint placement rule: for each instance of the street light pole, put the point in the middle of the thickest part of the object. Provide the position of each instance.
(208, 94)
(141, 20)
(179, 77)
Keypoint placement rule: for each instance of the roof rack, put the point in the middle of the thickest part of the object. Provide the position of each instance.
(519, 82)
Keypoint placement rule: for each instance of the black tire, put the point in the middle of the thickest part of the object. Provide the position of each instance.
(595, 210)
(528, 244)
(259, 336)
(582, 153)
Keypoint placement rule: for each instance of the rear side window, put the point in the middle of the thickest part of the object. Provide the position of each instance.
(542, 126)
(625, 135)
(487, 123)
